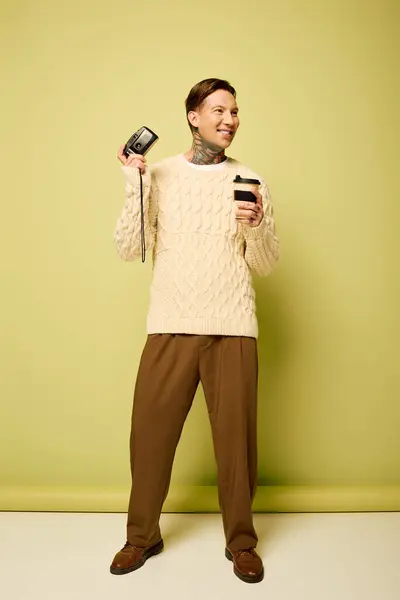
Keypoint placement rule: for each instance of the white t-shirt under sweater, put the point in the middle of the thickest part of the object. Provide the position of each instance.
(203, 258)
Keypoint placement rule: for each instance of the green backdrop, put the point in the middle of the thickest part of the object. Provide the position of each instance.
(319, 96)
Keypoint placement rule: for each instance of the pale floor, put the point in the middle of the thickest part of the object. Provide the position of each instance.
(306, 556)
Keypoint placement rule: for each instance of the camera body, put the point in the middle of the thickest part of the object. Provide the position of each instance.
(140, 142)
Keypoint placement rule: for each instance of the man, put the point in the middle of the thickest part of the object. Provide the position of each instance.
(201, 324)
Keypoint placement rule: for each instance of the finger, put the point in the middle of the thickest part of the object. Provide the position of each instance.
(134, 161)
(249, 206)
(245, 219)
(252, 222)
(245, 205)
(247, 214)
(121, 156)
(137, 157)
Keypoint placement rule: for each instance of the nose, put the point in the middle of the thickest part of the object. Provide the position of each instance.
(228, 119)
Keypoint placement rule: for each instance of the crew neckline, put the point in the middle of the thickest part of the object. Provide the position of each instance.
(218, 167)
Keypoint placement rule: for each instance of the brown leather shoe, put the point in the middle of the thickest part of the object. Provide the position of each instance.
(131, 558)
(247, 565)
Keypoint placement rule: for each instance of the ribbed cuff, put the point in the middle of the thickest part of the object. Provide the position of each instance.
(132, 175)
(254, 233)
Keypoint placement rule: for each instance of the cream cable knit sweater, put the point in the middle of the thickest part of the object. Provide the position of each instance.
(202, 258)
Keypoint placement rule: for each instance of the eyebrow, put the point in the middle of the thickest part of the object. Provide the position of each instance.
(222, 106)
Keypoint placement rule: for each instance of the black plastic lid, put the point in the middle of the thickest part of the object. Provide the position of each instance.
(239, 179)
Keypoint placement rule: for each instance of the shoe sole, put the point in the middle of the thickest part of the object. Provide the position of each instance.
(156, 549)
(245, 578)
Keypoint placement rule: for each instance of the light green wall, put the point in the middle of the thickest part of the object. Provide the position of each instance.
(319, 104)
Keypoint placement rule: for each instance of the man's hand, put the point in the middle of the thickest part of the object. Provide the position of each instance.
(133, 160)
(250, 213)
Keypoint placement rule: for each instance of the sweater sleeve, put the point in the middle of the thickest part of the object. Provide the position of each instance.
(127, 234)
(262, 246)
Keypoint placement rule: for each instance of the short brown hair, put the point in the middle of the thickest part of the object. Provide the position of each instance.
(202, 90)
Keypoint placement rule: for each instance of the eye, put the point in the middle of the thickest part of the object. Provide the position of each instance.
(219, 110)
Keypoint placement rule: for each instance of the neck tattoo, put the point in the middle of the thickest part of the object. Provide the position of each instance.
(205, 153)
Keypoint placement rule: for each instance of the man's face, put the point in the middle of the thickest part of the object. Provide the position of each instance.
(217, 119)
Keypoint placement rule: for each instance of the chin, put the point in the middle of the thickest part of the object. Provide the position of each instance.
(225, 144)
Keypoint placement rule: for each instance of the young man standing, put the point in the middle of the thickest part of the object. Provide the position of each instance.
(201, 324)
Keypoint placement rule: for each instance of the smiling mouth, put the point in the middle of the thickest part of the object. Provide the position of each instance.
(225, 131)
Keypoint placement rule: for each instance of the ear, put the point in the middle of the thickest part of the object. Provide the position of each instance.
(193, 118)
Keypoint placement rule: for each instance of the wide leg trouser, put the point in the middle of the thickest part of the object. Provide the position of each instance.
(169, 373)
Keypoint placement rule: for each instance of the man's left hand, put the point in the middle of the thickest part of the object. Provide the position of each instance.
(250, 213)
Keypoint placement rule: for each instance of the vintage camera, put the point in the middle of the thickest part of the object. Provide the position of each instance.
(140, 142)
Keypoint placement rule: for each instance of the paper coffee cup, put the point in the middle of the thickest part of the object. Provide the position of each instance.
(243, 189)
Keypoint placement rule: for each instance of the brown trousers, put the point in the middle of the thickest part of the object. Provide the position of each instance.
(169, 373)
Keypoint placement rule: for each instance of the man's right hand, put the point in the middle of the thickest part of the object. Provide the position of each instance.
(133, 160)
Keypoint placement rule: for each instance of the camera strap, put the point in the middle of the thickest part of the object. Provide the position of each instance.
(142, 236)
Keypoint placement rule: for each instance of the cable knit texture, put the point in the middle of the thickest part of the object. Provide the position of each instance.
(202, 258)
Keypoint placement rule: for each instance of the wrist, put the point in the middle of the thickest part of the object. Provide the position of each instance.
(255, 232)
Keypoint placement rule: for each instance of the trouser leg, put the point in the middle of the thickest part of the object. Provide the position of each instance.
(166, 384)
(229, 373)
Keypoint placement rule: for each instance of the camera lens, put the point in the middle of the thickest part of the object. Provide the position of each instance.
(138, 145)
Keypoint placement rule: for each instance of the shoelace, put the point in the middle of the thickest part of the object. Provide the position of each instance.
(131, 546)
